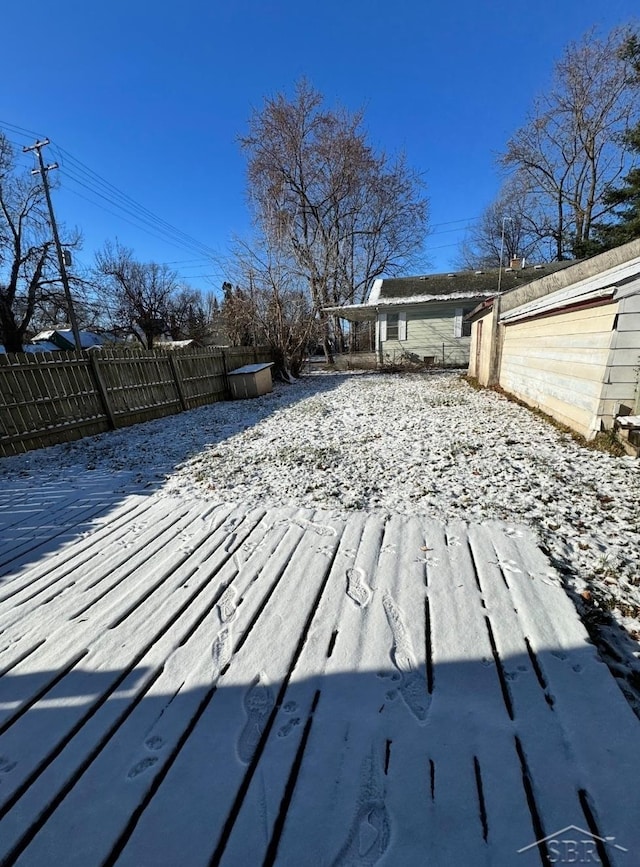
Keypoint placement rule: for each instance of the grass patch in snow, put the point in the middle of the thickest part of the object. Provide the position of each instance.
(606, 441)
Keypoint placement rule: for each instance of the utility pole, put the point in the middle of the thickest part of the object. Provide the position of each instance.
(504, 220)
(37, 147)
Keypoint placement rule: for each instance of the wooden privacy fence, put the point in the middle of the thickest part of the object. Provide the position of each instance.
(52, 397)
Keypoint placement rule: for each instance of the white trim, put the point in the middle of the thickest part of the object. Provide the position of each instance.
(402, 325)
(414, 299)
(382, 324)
(591, 288)
(555, 301)
(457, 322)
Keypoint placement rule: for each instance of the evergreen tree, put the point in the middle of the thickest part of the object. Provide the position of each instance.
(624, 200)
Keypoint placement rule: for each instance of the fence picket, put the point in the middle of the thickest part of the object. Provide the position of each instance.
(52, 397)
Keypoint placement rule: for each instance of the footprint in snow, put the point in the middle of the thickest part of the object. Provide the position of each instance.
(515, 532)
(258, 704)
(154, 743)
(221, 651)
(6, 765)
(357, 588)
(412, 685)
(289, 727)
(227, 604)
(370, 832)
(141, 766)
(325, 550)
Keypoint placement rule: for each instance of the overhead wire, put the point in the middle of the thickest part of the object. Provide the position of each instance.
(142, 218)
(133, 218)
(77, 172)
(82, 174)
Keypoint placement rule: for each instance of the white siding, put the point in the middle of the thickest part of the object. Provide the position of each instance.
(558, 363)
(430, 333)
(621, 386)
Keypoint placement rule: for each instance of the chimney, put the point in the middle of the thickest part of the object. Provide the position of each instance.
(516, 264)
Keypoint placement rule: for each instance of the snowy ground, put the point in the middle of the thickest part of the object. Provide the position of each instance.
(410, 444)
(224, 685)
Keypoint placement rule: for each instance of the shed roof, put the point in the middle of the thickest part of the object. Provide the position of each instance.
(251, 368)
(63, 338)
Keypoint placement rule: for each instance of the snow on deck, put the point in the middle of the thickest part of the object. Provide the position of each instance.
(189, 683)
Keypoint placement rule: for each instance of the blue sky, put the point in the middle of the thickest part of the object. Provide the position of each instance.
(151, 96)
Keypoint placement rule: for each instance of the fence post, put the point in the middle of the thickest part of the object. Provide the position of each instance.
(225, 371)
(176, 376)
(94, 366)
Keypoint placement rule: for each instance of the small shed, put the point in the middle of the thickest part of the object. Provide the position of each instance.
(252, 380)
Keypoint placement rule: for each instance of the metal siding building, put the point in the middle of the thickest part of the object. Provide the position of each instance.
(572, 349)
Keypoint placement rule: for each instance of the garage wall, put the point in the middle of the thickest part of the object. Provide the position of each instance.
(621, 388)
(558, 362)
(481, 350)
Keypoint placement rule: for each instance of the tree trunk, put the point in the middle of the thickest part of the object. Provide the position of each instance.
(326, 338)
(12, 334)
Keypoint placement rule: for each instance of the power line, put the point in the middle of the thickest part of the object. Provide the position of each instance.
(27, 133)
(79, 173)
(143, 219)
(451, 222)
(153, 228)
(82, 174)
(141, 215)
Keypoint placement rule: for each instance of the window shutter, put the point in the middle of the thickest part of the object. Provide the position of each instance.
(383, 327)
(402, 326)
(457, 323)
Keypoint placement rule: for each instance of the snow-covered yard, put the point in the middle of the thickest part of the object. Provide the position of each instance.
(413, 444)
(290, 631)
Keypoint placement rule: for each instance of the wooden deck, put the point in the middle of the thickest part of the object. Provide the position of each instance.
(189, 685)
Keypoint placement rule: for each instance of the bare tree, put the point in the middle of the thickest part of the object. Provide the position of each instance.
(270, 307)
(28, 268)
(506, 228)
(139, 295)
(571, 149)
(188, 318)
(337, 213)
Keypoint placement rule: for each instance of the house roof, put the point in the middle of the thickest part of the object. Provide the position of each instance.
(459, 284)
(452, 286)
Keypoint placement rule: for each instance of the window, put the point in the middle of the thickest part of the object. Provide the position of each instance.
(393, 320)
(460, 327)
(393, 326)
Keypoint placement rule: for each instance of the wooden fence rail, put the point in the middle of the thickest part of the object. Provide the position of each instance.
(53, 397)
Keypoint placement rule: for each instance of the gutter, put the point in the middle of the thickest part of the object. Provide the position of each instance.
(487, 304)
(545, 306)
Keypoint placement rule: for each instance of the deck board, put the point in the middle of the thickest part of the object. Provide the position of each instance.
(234, 685)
